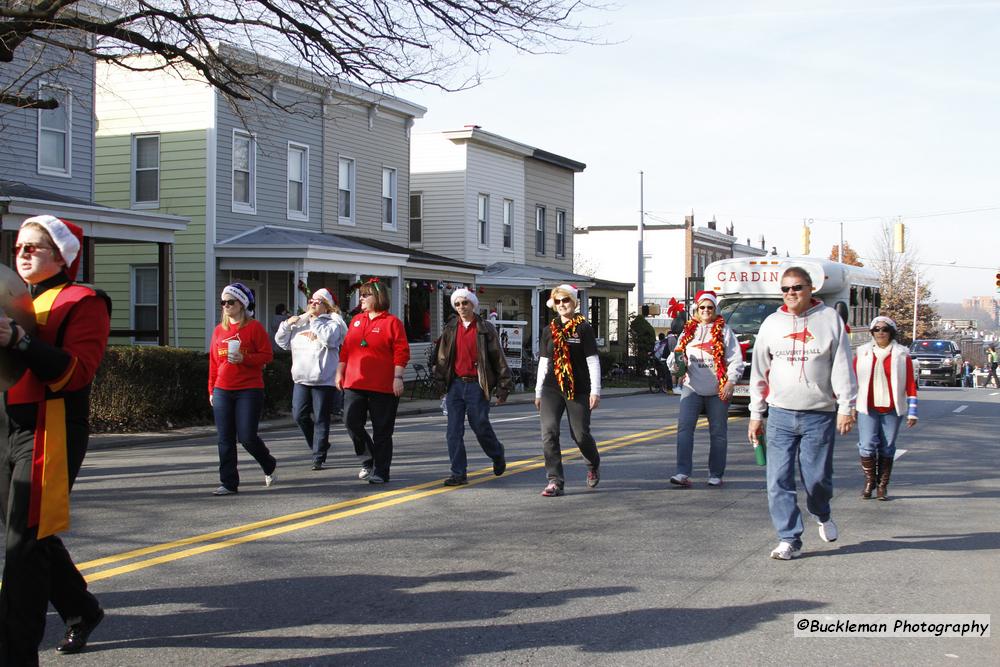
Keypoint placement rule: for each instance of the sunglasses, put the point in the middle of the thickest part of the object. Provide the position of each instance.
(794, 288)
(881, 330)
(228, 302)
(565, 299)
(460, 304)
(315, 302)
(29, 248)
(706, 307)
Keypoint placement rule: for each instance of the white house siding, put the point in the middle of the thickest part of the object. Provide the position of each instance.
(501, 176)
(386, 144)
(437, 168)
(19, 127)
(273, 129)
(552, 187)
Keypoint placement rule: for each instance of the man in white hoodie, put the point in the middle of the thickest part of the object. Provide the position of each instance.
(314, 339)
(802, 375)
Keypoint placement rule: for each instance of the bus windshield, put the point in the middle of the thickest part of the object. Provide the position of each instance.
(746, 315)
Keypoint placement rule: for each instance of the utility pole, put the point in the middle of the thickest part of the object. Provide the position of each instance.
(642, 267)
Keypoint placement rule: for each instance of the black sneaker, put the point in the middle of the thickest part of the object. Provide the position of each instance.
(499, 466)
(456, 480)
(593, 477)
(77, 634)
(317, 466)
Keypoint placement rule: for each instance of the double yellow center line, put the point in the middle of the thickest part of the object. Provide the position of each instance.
(195, 545)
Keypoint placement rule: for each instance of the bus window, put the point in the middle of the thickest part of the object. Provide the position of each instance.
(844, 312)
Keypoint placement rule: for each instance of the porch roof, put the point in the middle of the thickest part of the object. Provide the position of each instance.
(507, 274)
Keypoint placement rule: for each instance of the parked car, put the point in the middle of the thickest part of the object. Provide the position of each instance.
(937, 361)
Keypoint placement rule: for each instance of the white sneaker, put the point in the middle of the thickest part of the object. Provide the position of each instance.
(828, 530)
(681, 480)
(715, 481)
(785, 551)
(269, 480)
(364, 473)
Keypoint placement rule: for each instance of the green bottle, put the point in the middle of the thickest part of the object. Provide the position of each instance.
(760, 450)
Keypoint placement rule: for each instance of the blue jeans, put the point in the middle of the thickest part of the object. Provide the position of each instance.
(237, 415)
(467, 398)
(877, 433)
(692, 405)
(804, 437)
(311, 407)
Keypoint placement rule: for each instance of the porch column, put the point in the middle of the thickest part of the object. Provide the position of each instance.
(535, 319)
(163, 288)
(301, 300)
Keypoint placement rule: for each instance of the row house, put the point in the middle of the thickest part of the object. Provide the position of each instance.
(309, 190)
(47, 167)
(674, 258)
(489, 200)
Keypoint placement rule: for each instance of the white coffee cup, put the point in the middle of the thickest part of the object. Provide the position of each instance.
(234, 346)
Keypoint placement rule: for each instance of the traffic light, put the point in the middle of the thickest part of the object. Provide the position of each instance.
(899, 237)
(805, 239)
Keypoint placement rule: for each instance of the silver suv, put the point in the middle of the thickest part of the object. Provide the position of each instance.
(937, 361)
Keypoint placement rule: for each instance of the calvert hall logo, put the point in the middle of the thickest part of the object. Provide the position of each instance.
(803, 336)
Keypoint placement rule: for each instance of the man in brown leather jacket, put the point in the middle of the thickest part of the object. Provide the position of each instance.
(469, 367)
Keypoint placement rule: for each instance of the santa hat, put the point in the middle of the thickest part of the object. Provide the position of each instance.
(66, 236)
(566, 289)
(462, 293)
(323, 294)
(241, 293)
(883, 318)
(706, 294)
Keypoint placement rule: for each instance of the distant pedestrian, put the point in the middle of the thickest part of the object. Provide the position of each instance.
(469, 368)
(802, 374)
(314, 340)
(372, 361)
(239, 350)
(713, 362)
(887, 392)
(991, 363)
(569, 380)
(662, 350)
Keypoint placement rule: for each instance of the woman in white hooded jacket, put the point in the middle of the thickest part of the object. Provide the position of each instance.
(314, 340)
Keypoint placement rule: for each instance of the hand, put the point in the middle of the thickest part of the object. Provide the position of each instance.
(726, 392)
(844, 423)
(754, 430)
(6, 331)
(235, 358)
(911, 422)
(538, 404)
(293, 320)
(397, 386)
(338, 380)
(595, 400)
(211, 400)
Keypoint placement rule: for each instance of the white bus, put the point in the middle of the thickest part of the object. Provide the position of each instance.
(749, 290)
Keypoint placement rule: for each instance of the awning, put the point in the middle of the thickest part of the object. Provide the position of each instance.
(507, 274)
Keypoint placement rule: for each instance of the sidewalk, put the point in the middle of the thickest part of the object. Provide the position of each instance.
(407, 407)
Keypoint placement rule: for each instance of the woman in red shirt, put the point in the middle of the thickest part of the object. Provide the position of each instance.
(887, 391)
(239, 351)
(372, 359)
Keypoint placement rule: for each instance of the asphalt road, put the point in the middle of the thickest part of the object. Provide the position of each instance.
(324, 569)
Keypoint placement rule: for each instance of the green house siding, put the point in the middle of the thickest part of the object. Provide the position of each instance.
(182, 192)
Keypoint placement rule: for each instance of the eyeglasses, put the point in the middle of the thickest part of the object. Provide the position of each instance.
(565, 299)
(29, 248)
(794, 288)
(881, 330)
(315, 302)
(228, 302)
(462, 304)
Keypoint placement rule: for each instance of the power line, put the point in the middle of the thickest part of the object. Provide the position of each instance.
(837, 220)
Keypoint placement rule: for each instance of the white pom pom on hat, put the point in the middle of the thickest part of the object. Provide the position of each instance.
(572, 291)
(323, 294)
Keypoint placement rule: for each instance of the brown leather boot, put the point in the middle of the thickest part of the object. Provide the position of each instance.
(884, 471)
(868, 466)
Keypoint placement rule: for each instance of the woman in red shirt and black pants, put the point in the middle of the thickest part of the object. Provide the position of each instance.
(239, 351)
(372, 359)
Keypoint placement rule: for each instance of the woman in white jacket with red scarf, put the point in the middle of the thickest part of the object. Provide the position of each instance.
(887, 392)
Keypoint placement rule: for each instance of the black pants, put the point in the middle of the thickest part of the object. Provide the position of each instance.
(376, 449)
(578, 411)
(992, 377)
(35, 571)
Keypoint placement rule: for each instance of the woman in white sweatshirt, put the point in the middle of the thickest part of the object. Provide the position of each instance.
(314, 339)
(887, 392)
(710, 361)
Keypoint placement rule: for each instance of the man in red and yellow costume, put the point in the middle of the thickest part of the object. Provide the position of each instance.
(46, 439)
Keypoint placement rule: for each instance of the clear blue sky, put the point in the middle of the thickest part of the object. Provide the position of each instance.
(765, 113)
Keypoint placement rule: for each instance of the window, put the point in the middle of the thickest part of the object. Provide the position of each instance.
(298, 182)
(145, 302)
(508, 224)
(539, 230)
(560, 233)
(244, 173)
(55, 133)
(388, 198)
(417, 313)
(346, 193)
(483, 217)
(416, 217)
(146, 171)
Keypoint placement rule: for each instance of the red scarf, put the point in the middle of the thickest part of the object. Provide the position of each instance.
(561, 365)
(718, 345)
